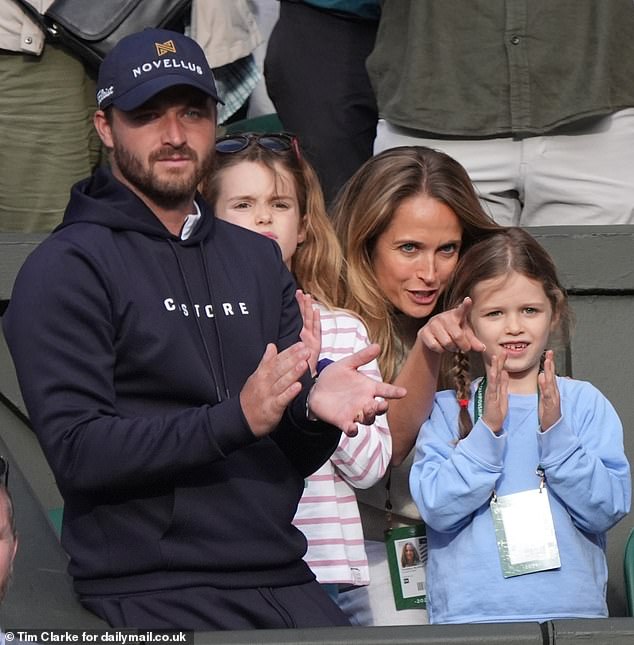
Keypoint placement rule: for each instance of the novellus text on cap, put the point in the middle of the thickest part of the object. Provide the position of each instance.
(143, 64)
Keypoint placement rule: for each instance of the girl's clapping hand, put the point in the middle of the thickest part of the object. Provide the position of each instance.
(496, 397)
(311, 329)
(549, 402)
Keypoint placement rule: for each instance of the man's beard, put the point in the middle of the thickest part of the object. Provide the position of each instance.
(167, 191)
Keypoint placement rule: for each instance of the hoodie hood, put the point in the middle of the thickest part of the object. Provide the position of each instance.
(102, 199)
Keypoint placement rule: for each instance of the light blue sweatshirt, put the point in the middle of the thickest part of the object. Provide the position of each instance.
(588, 480)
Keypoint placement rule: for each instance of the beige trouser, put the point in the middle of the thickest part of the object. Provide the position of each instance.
(46, 134)
(581, 175)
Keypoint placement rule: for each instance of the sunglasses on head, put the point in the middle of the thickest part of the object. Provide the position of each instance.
(276, 142)
(4, 471)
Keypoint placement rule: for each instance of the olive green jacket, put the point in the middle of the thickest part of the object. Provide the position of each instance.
(480, 68)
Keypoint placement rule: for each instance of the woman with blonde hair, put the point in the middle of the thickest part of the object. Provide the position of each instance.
(403, 221)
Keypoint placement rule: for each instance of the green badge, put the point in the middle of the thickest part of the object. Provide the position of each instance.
(407, 559)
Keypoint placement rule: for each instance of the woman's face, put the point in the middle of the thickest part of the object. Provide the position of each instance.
(252, 196)
(416, 255)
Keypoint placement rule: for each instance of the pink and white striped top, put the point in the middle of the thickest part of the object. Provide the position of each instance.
(328, 513)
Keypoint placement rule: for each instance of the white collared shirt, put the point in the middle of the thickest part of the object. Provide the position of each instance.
(190, 223)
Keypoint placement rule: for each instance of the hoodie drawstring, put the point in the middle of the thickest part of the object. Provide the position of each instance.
(210, 292)
(219, 393)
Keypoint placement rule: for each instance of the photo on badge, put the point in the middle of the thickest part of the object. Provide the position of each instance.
(407, 559)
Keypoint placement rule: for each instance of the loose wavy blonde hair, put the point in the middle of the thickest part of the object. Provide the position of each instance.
(365, 208)
(317, 264)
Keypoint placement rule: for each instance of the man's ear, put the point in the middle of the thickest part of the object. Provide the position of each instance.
(104, 130)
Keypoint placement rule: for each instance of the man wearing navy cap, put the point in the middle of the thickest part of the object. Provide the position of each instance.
(158, 353)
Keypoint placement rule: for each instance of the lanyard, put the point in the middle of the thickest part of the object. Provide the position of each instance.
(478, 405)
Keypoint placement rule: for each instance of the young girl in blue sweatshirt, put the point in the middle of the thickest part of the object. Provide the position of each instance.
(517, 475)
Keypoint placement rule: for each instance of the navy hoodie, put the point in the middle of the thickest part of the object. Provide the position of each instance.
(131, 347)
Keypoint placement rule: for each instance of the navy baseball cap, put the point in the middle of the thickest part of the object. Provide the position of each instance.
(143, 64)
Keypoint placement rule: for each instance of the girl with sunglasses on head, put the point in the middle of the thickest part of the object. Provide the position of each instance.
(519, 474)
(262, 183)
(403, 220)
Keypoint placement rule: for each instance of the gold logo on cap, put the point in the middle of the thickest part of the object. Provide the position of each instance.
(168, 47)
